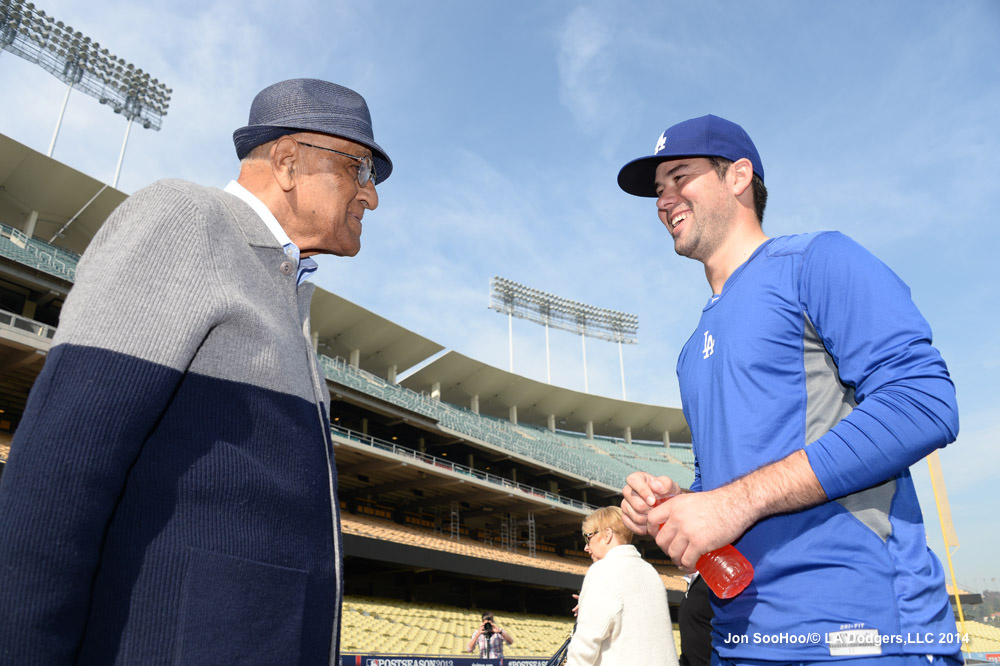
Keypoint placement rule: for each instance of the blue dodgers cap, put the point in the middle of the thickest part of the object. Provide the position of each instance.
(708, 136)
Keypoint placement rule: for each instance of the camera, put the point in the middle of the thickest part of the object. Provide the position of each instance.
(488, 628)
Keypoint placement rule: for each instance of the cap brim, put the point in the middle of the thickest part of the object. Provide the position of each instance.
(637, 176)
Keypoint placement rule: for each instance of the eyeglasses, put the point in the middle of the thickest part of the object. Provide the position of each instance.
(590, 535)
(366, 170)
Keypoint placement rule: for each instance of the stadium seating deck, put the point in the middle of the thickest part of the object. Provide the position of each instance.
(383, 625)
(455, 467)
(19, 323)
(37, 254)
(574, 453)
(982, 637)
(387, 531)
(372, 625)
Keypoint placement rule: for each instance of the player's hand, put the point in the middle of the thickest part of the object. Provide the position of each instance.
(576, 609)
(640, 494)
(689, 525)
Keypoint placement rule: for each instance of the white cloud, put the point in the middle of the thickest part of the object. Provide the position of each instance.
(581, 67)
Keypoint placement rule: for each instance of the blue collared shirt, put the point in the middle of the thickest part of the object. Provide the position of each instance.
(306, 266)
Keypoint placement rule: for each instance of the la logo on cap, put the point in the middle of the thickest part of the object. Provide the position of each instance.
(661, 143)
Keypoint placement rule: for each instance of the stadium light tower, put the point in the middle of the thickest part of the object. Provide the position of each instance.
(517, 300)
(81, 63)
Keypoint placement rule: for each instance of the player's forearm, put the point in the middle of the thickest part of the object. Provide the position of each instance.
(780, 487)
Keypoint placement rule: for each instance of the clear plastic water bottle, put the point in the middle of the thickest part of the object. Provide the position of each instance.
(725, 569)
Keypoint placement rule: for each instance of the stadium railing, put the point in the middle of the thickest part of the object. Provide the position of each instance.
(574, 454)
(450, 466)
(19, 323)
(17, 246)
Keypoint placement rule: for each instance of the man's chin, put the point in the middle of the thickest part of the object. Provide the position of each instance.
(344, 251)
(680, 249)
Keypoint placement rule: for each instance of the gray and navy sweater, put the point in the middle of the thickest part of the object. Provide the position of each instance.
(170, 495)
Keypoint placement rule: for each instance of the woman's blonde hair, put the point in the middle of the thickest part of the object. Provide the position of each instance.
(608, 517)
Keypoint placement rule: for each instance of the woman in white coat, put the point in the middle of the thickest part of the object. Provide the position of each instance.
(622, 618)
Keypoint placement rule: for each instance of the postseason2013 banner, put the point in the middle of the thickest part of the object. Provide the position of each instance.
(426, 660)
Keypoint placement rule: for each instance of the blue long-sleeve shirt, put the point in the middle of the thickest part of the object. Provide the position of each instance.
(816, 344)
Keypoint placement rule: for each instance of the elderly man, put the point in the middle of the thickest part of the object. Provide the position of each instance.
(810, 386)
(622, 617)
(171, 493)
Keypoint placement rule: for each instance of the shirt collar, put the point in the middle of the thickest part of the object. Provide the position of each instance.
(262, 211)
(622, 550)
(307, 266)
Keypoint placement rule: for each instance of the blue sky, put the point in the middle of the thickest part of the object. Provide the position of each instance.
(507, 124)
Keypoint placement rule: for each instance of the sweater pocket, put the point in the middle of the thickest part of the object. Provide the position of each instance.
(237, 611)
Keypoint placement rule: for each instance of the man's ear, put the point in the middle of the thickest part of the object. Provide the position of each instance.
(742, 175)
(285, 156)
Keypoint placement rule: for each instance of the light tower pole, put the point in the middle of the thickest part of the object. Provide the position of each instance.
(517, 300)
(83, 64)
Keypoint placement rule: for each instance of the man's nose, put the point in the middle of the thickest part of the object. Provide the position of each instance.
(369, 195)
(665, 200)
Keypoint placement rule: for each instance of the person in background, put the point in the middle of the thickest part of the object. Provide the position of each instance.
(694, 620)
(489, 638)
(622, 616)
(171, 492)
(810, 386)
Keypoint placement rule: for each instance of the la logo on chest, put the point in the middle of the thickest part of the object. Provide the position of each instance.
(709, 348)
